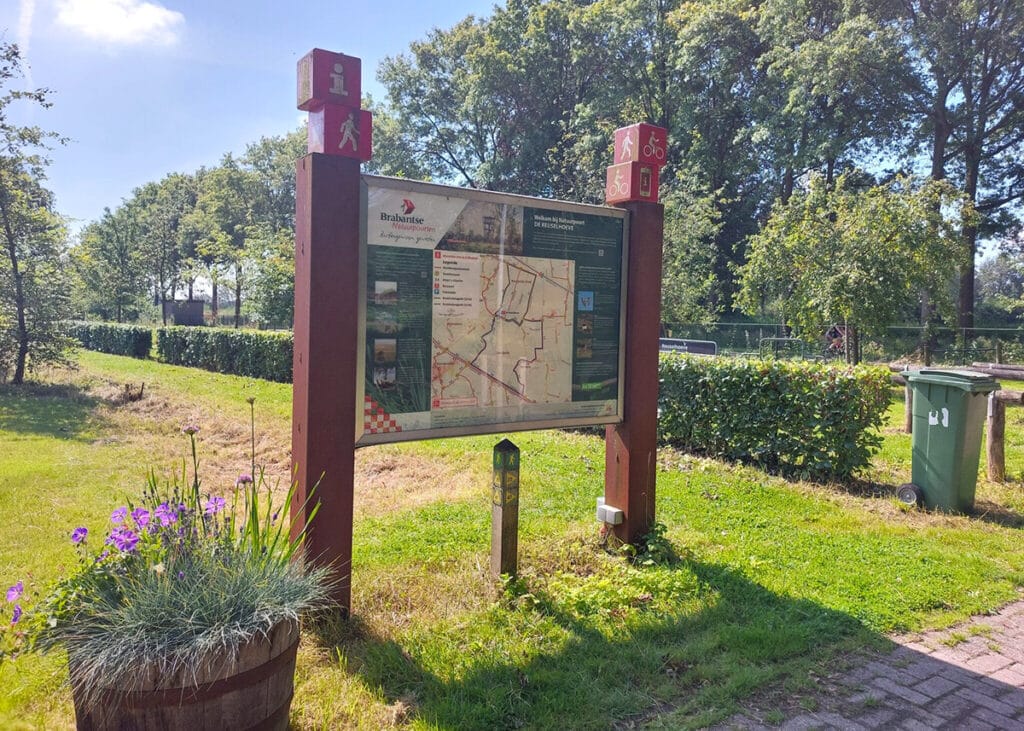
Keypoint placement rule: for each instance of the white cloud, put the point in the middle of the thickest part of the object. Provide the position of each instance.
(122, 22)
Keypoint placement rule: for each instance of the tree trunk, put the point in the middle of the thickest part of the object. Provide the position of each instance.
(788, 181)
(238, 296)
(19, 294)
(852, 345)
(965, 305)
(214, 304)
(940, 140)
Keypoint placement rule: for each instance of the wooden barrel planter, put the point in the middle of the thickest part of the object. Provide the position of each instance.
(252, 690)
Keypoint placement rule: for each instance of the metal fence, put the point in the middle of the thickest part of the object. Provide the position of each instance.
(943, 345)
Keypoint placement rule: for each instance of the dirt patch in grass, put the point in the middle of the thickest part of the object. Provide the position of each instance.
(386, 480)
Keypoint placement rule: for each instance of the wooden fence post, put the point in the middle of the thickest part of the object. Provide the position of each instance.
(995, 454)
(908, 410)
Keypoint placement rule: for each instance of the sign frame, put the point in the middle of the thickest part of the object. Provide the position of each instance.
(414, 187)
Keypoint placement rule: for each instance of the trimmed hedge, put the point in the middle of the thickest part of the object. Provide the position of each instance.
(793, 417)
(251, 353)
(113, 338)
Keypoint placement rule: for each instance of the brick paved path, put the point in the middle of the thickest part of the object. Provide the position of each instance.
(967, 677)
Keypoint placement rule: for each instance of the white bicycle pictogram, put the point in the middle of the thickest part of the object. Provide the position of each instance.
(654, 149)
(617, 187)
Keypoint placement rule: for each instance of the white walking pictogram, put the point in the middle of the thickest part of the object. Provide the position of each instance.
(627, 147)
(349, 134)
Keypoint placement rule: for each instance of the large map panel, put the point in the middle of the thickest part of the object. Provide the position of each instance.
(484, 314)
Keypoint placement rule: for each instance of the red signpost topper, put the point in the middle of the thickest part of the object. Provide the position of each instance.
(338, 130)
(632, 181)
(641, 143)
(326, 77)
(640, 152)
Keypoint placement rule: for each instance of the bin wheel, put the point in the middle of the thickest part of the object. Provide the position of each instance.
(910, 494)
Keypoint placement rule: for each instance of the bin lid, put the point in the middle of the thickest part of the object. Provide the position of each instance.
(965, 380)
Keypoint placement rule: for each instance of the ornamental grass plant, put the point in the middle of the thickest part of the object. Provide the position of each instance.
(182, 578)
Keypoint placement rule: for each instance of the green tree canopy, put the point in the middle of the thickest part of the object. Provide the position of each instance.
(854, 254)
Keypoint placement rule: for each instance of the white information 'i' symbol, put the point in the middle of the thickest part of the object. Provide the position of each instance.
(338, 81)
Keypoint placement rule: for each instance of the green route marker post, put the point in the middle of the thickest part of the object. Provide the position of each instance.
(505, 509)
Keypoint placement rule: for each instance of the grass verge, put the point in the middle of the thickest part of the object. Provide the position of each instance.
(763, 582)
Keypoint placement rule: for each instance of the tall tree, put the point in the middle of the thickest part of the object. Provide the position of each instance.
(270, 242)
(164, 206)
(834, 77)
(431, 91)
(969, 99)
(716, 56)
(109, 262)
(33, 291)
(224, 212)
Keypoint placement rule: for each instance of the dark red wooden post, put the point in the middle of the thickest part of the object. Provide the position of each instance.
(631, 446)
(326, 357)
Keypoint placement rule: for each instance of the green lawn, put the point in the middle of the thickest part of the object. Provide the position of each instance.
(770, 580)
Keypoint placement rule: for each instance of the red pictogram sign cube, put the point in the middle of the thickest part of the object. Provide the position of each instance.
(632, 181)
(337, 130)
(326, 77)
(641, 143)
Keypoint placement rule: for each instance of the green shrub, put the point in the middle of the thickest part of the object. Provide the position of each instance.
(251, 353)
(116, 339)
(788, 416)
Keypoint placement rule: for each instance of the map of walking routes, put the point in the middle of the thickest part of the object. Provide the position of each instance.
(502, 331)
(484, 314)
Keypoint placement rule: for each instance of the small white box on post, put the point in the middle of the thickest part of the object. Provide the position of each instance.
(608, 514)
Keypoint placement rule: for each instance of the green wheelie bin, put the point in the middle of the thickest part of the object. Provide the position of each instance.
(948, 412)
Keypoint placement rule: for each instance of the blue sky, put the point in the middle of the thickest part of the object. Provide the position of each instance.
(144, 88)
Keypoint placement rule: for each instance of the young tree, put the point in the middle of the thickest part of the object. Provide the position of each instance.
(33, 289)
(854, 254)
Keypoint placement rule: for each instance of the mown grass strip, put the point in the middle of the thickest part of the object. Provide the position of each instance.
(772, 579)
